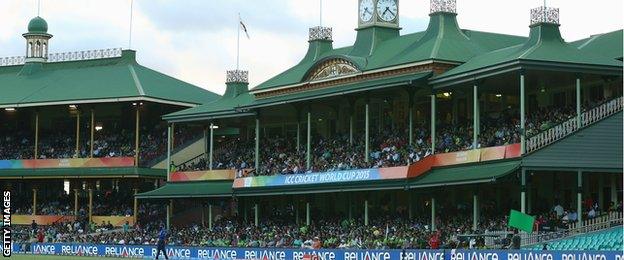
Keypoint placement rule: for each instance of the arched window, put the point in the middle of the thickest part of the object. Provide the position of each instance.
(332, 68)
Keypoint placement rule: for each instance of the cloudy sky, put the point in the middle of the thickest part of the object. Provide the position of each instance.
(195, 40)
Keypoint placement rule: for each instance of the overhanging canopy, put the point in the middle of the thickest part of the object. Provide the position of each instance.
(82, 173)
(197, 189)
(325, 188)
(460, 175)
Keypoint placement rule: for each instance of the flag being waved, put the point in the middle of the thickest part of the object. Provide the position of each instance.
(242, 26)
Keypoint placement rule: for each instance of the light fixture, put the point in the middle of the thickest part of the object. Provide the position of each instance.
(134, 104)
(215, 127)
(10, 109)
(73, 106)
(499, 95)
(543, 89)
(98, 127)
(447, 94)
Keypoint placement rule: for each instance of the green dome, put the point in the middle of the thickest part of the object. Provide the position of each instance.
(37, 25)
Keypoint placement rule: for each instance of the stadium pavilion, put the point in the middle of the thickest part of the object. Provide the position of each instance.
(83, 128)
(415, 85)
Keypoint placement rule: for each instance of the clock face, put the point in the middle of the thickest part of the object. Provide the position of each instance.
(366, 10)
(387, 10)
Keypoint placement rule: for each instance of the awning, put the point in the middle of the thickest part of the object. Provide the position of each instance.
(82, 173)
(195, 189)
(470, 174)
(395, 184)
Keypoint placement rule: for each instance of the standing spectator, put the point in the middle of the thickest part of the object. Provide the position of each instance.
(162, 236)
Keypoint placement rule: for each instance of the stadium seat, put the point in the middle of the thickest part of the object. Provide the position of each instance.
(608, 240)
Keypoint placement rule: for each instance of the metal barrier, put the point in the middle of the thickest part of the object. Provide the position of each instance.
(599, 223)
(570, 126)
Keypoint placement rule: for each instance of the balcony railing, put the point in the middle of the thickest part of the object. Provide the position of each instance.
(570, 126)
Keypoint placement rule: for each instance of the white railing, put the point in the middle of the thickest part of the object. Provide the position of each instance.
(602, 222)
(66, 56)
(570, 126)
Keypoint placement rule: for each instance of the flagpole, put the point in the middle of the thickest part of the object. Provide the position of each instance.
(321, 13)
(238, 43)
(38, 7)
(130, 31)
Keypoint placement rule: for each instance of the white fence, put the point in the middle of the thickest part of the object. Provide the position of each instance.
(570, 126)
(67, 56)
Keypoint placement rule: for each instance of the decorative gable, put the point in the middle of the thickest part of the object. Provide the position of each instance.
(332, 68)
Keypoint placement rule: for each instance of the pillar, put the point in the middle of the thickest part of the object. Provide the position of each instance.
(523, 190)
(77, 149)
(410, 206)
(36, 135)
(601, 192)
(169, 213)
(522, 118)
(136, 136)
(475, 211)
(307, 213)
(366, 132)
(256, 214)
(206, 149)
(578, 102)
(91, 138)
(298, 133)
(257, 146)
(433, 123)
(614, 195)
(210, 216)
(297, 213)
(579, 197)
(351, 126)
(34, 205)
(211, 157)
(309, 142)
(75, 202)
(365, 212)
(168, 152)
(433, 214)
(475, 117)
(410, 119)
(90, 205)
(135, 208)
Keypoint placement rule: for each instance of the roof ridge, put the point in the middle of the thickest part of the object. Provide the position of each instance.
(137, 81)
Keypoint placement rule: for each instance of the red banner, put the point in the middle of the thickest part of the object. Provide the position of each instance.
(203, 175)
(67, 163)
(40, 219)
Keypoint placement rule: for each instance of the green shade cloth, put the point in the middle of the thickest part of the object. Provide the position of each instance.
(466, 174)
(195, 189)
(521, 221)
(96, 172)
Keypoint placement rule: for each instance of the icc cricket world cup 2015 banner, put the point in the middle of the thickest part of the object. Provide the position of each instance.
(319, 178)
(143, 251)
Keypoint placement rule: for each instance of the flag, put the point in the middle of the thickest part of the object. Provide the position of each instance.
(242, 26)
(521, 221)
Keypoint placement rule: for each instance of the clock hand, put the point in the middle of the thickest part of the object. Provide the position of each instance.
(384, 12)
(391, 12)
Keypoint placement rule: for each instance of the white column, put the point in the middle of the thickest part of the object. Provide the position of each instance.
(578, 102)
(579, 197)
(522, 117)
(475, 211)
(209, 216)
(433, 123)
(366, 133)
(307, 213)
(523, 191)
(365, 212)
(309, 143)
(168, 152)
(256, 214)
(257, 148)
(475, 117)
(614, 194)
(433, 214)
(211, 145)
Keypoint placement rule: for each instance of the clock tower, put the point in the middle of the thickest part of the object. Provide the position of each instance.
(380, 13)
(378, 21)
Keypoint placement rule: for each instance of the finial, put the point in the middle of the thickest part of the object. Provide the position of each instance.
(237, 76)
(544, 14)
(320, 33)
(443, 6)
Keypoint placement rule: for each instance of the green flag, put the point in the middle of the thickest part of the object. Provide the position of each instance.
(521, 221)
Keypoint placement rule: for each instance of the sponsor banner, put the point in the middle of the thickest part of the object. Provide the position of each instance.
(149, 251)
(493, 153)
(116, 221)
(67, 163)
(446, 159)
(513, 151)
(203, 175)
(40, 219)
(324, 177)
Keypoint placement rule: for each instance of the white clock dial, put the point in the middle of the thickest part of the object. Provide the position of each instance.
(366, 10)
(387, 10)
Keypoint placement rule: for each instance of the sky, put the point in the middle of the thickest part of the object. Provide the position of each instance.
(195, 40)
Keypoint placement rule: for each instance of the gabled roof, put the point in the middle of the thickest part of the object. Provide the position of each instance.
(608, 44)
(236, 95)
(94, 81)
(443, 40)
(544, 45)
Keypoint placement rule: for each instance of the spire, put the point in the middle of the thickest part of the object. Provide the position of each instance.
(237, 82)
(37, 39)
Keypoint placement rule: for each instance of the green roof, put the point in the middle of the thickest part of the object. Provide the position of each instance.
(393, 184)
(544, 45)
(377, 48)
(608, 44)
(236, 95)
(194, 189)
(466, 174)
(94, 81)
(38, 25)
(96, 172)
